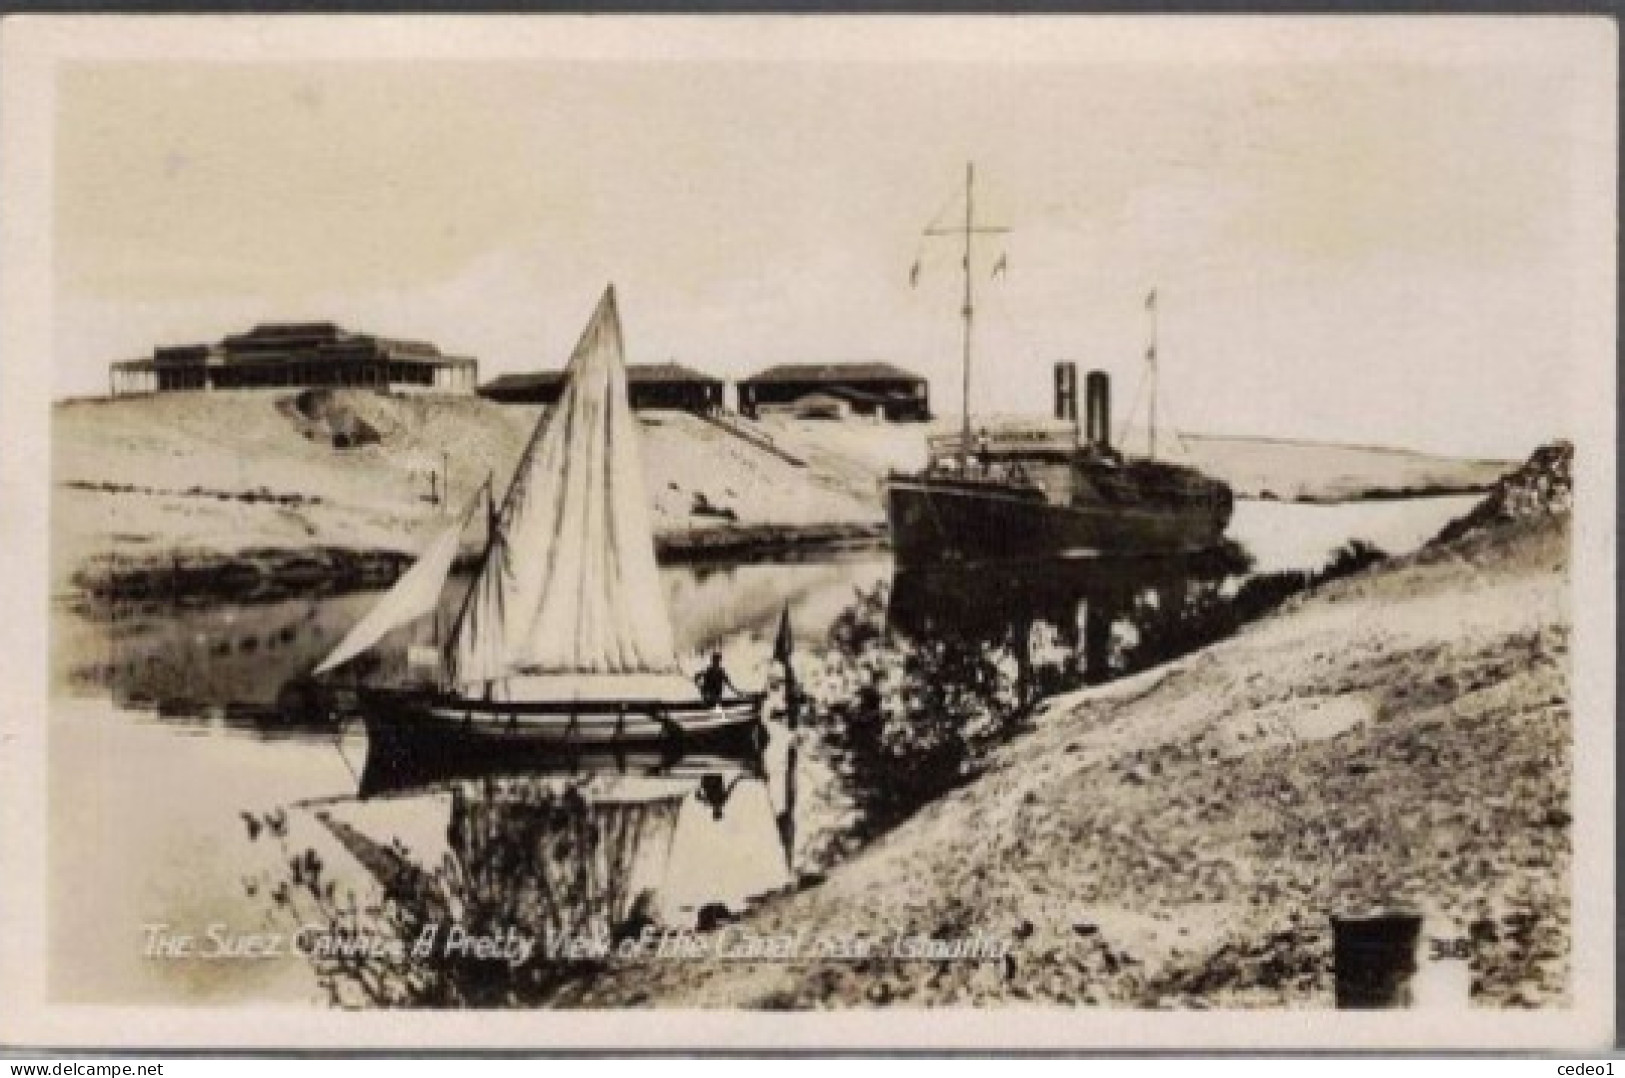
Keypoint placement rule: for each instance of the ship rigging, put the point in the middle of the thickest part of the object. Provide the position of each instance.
(1038, 490)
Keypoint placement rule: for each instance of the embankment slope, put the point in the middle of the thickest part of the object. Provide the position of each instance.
(266, 479)
(195, 476)
(1300, 470)
(1401, 738)
(1283, 469)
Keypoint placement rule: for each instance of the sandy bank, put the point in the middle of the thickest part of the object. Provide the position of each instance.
(235, 486)
(1324, 472)
(1275, 469)
(1398, 738)
(263, 574)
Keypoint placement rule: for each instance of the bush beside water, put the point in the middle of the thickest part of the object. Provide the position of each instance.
(905, 719)
(909, 719)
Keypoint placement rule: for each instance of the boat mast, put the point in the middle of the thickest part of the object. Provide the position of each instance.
(1151, 363)
(969, 229)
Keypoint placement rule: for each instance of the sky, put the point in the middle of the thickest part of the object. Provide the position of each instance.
(1372, 231)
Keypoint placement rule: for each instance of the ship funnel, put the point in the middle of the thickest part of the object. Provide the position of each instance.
(1066, 392)
(1098, 409)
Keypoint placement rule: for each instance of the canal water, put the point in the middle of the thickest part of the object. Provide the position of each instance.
(184, 776)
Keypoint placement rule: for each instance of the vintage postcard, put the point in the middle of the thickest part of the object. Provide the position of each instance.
(808, 532)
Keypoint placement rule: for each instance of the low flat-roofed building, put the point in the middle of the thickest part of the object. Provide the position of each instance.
(867, 389)
(289, 355)
(649, 385)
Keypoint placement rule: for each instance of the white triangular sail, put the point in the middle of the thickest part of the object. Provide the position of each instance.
(415, 594)
(569, 586)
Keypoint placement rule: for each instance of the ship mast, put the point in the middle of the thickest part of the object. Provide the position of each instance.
(969, 229)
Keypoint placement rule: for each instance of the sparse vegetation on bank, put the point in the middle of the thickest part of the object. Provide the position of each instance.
(1389, 733)
(245, 480)
(908, 719)
(1398, 737)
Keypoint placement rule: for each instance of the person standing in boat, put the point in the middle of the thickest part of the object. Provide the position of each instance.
(713, 680)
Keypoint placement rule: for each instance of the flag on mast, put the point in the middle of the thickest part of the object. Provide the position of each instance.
(783, 643)
(1001, 266)
(914, 274)
(1151, 300)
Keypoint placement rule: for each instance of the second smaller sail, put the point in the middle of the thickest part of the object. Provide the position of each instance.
(414, 595)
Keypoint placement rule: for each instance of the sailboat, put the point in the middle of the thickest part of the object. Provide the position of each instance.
(1037, 491)
(563, 637)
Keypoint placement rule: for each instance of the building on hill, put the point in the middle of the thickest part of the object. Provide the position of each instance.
(289, 355)
(835, 391)
(649, 385)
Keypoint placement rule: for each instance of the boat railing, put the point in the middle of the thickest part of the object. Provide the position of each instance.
(1009, 473)
(570, 707)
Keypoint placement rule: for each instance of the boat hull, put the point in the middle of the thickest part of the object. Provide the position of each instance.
(936, 520)
(402, 723)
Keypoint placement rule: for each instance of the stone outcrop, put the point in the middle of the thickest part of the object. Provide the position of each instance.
(1541, 487)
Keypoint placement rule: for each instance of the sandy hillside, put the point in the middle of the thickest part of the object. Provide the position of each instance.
(142, 477)
(861, 453)
(685, 456)
(1401, 738)
(269, 474)
(1302, 470)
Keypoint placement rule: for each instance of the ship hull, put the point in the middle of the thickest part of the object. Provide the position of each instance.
(936, 520)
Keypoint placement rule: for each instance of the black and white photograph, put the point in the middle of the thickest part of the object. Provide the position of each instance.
(1011, 532)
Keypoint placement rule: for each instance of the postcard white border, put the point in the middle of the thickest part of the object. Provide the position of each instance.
(32, 49)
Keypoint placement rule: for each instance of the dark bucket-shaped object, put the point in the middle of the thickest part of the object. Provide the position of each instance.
(1375, 959)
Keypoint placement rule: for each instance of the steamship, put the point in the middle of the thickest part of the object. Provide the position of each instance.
(1033, 490)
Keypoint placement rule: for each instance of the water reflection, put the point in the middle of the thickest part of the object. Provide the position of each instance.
(1070, 621)
(226, 664)
(392, 769)
(246, 665)
(493, 885)
(129, 851)
(571, 852)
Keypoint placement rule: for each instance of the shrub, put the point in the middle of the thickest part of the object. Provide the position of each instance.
(908, 720)
(910, 717)
(522, 856)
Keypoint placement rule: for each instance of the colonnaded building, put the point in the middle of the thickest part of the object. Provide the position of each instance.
(648, 385)
(293, 355)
